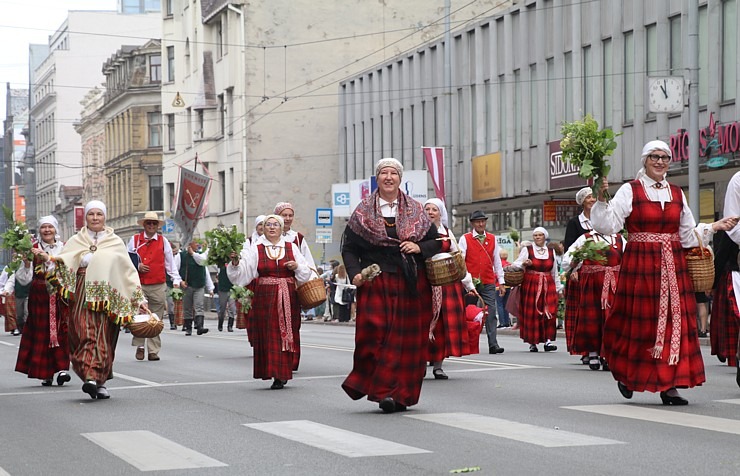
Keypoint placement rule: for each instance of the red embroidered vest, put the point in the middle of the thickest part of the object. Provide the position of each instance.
(151, 253)
(479, 257)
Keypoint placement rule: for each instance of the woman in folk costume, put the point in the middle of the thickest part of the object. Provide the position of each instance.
(449, 329)
(100, 289)
(594, 283)
(539, 293)
(389, 229)
(725, 324)
(275, 266)
(44, 350)
(650, 336)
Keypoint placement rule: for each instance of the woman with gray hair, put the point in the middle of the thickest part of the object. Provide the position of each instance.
(650, 337)
(44, 350)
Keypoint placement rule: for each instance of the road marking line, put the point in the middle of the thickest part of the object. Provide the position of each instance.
(7, 343)
(536, 435)
(3, 472)
(702, 422)
(734, 401)
(148, 451)
(138, 380)
(335, 440)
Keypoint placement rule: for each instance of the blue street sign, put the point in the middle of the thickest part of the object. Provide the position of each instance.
(324, 217)
(169, 226)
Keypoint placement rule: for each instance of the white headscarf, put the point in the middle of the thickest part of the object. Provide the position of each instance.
(441, 207)
(96, 204)
(583, 194)
(258, 220)
(48, 220)
(649, 147)
(539, 229)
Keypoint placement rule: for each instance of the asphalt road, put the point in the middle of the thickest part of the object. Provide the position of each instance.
(198, 411)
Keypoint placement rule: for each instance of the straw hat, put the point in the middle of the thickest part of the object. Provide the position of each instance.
(150, 216)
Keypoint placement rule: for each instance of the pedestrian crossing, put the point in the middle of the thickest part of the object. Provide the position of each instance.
(148, 451)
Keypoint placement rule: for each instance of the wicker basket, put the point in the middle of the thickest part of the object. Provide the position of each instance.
(241, 316)
(179, 313)
(513, 278)
(447, 270)
(10, 322)
(700, 263)
(312, 293)
(147, 329)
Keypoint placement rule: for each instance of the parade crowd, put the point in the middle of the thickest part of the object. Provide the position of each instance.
(417, 293)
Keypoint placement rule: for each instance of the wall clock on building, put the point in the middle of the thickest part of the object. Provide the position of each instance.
(665, 94)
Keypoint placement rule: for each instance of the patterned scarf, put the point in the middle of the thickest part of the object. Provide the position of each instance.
(112, 285)
(412, 224)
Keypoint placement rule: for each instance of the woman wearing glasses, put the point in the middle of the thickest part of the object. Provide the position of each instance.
(276, 265)
(650, 338)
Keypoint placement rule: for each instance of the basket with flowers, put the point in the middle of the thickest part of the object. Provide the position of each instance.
(243, 299)
(176, 295)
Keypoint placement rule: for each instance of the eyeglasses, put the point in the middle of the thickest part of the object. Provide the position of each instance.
(655, 158)
(272, 224)
(151, 223)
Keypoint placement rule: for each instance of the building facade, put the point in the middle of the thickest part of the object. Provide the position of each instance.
(91, 128)
(60, 80)
(518, 74)
(250, 88)
(132, 116)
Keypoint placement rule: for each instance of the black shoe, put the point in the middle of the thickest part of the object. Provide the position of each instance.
(594, 363)
(220, 327)
(702, 333)
(495, 349)
(202, 331)
(15, 332)
(63, 378)
(103, 393)
(721, 358)
(533, 348)
(399, 407)
(46, 383)
(188, 332)
(388, 405)
(277, 384)
(439, 374)
(90, 388)
(737, 377)
(626, 393)
(677, 400)
(585, 360)
(604, 365)
(550, 347)
(173, 327)
(230, 329)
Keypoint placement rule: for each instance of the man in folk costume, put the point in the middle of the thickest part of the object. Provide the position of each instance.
(155, 264)
(195, 281)
(484, 262)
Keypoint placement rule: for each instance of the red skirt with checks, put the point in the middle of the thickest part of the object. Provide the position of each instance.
(451, 330)
(725, 323)
(534, 324)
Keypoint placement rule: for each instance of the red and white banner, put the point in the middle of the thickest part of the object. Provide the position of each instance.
(435, 160)
(190, 202)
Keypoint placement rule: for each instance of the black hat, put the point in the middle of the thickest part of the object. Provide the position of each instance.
(478, 215)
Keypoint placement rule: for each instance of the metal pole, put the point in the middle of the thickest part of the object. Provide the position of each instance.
(448, 106)
(693, 64)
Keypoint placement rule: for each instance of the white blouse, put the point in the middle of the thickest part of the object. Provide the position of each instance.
(246, 271)
(608, 217)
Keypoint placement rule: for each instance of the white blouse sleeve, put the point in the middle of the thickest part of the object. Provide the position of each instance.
(244, 273)
(556, 277)
(523, 256)
(608, 217)
(302, 273)
(568, 256)
(24, 275)
(688, 227)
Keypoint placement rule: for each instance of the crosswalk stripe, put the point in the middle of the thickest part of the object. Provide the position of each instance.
(536, 435)
(690, 420)
(733, 401)
(148, 451)
(3, 472)
(335, 440)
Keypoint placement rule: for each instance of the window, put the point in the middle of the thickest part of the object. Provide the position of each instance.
(230, 109)
(155, 68)
(729, 50)
(568, 60)
(170, 132)
(170, 194)
(608, 81)
(588, 89)
(534, 116)
(222, 189)
(517, 109)
(651, 52)
(156, 193)
(552, 131)
(222, 115)
(219, 39)
(170, 63)
(154, 119)
(676, 59)
(200, 123)
(168, 7)
(502, 112)
(704, 58)
(629, 77)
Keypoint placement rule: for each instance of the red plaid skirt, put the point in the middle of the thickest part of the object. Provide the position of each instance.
(725, 323)
(36, 358)
(451, 331)
(534, 326)
(588, 322)
(10, 322)
(391, 339)
(571, 308)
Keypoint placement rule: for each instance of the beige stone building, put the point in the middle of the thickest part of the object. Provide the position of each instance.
(258, 96)
(91, 128)
(133, 135)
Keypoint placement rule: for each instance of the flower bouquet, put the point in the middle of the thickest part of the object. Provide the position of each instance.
(586, 146)
(222, 241)
(591, 250)
(16, 238)
(176, 295)
(243, 299)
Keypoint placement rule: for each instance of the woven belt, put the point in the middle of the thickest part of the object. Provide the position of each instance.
(541, 288)
(610, 280)
(668, 293)
(284, 311)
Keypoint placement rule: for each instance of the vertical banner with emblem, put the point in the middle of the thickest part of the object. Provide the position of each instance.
(190, 201)
(435, 160)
